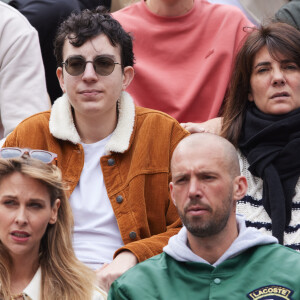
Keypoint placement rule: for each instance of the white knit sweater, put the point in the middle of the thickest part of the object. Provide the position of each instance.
(256, 216)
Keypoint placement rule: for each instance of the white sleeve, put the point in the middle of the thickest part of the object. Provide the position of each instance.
(22, 77)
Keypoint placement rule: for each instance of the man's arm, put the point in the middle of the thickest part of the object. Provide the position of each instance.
(132, 253)
(140, 250)
(22, 85)
(110, 272)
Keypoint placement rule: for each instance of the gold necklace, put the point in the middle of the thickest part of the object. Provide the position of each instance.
(17, 297)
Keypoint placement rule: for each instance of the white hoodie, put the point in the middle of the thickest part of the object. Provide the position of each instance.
(248, 237)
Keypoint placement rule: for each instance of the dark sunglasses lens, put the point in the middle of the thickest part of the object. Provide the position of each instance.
(75, 65)
(104, 65)
(10, 153)
(42, 156)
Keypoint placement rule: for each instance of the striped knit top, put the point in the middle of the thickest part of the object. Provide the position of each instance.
(252, 208)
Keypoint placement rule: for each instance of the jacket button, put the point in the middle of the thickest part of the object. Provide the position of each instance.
(217, 280)
(132, 235)
(111, 162)
(119, 199)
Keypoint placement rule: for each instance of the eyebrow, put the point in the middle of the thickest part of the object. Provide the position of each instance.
(12, 197)
(262, 63)
(267, 63)
(106, 55)
(37, 200)
(178, 175)
(8, 196)
(100, 55)
(200, 173)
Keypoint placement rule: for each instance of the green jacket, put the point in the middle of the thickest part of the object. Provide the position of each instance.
(262, 272)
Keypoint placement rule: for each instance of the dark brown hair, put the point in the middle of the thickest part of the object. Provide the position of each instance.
(280, 39)
(81, 27)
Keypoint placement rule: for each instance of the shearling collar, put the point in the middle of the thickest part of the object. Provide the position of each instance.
(62, 125)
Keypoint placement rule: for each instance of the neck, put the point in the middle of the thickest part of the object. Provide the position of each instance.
(211, 248)
(94, 129)
(170, 8)
(22, 272)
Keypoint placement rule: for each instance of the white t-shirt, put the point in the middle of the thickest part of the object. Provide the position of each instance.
(96, 232)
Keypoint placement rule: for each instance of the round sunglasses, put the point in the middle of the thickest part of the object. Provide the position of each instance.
(103, 65)
(42, 155)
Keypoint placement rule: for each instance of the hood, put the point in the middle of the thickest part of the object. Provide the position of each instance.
(248, 237)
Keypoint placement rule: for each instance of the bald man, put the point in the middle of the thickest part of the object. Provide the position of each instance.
(214, 256)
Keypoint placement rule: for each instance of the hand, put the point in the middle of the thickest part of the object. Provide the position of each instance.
(211, 126)
(110, 272)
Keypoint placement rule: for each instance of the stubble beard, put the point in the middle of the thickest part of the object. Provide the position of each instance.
(207, 225)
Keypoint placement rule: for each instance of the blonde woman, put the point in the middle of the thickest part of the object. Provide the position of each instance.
(37, 261)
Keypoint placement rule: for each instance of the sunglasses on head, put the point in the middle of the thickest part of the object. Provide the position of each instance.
(103, 65)
(42, 155)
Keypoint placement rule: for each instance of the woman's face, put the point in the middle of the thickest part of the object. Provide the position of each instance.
(25, 212)
(275, 85)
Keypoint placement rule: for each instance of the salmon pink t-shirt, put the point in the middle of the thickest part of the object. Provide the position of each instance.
(183, 64)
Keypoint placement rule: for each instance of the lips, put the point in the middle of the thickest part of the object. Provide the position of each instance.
(278, 95)
(196, 209)
(20, 234)
(90, 92)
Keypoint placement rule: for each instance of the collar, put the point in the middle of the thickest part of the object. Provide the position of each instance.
(33, 289)
(61, 123)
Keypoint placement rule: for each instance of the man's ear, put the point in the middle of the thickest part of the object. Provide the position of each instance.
(128, 75)
(239, 187)
(171, 185)
(60, 76)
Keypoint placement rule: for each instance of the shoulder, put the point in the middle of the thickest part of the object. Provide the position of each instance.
(221, 8)
(11, 18)
(228, 18)
(159, 124)
(151, 267)
(289, 13)
(32, 128)
(54, 7)
(127, 11)
(275, 252)
(156, 272)
(38, 119)
(23, 39)
(148, 113)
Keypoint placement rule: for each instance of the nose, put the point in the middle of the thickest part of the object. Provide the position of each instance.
(278, 77)
(21, 217)
(89, 73)
(195, 188)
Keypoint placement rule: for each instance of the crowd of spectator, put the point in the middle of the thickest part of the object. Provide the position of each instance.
(150, 152)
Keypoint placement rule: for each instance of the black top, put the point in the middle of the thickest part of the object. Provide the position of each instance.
(290, 13)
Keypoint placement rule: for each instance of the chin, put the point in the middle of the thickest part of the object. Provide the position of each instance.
(281, 110)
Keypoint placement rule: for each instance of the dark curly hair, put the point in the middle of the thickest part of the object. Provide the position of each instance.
(80, 27)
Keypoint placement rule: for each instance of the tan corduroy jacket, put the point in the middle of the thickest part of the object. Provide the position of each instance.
(136, 169)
